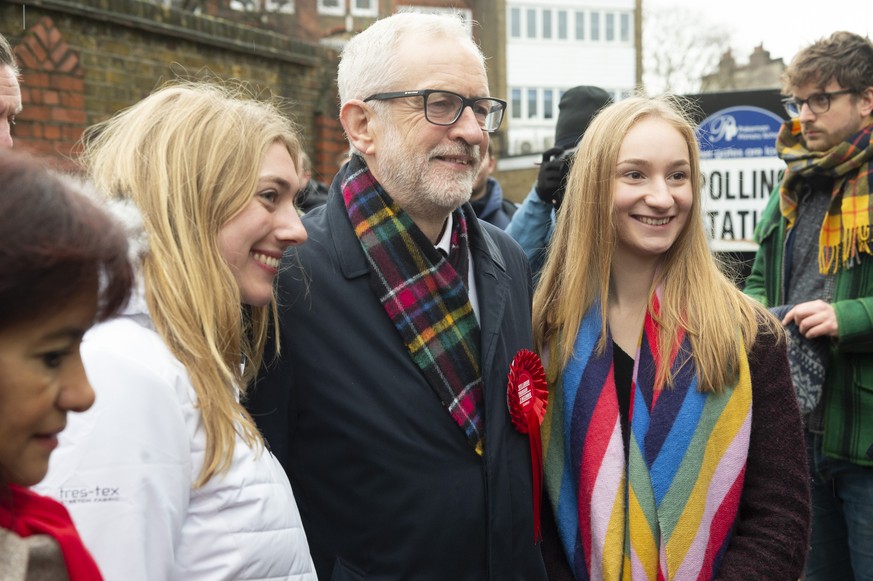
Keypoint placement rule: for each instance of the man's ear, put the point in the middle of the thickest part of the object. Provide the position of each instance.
(357, 120)
(866, 98)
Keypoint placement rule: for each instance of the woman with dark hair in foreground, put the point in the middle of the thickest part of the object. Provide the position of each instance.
(63, 267)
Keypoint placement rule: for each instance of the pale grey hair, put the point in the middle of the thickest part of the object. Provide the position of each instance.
(368, 63)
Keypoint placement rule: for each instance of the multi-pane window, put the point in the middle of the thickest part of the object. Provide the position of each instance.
(548, 103)
(516, 104)
(281, 6)
(559, 24)
(547, 24)
(624, 28)
(335, 7)
(541, 103)
(365, 7)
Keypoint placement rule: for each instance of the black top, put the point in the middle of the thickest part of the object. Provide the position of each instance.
(624, 373)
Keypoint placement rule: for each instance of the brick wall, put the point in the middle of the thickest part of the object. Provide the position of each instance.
(54, 94)
(83, 61)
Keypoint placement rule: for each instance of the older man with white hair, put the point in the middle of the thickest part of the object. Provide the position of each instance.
(388, 405)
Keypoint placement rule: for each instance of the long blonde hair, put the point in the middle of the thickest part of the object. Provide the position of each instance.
(189, 156)
(697, 296)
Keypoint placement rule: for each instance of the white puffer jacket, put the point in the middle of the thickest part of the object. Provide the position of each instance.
(125, 470)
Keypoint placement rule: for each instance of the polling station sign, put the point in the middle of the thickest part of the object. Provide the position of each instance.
(740, 170)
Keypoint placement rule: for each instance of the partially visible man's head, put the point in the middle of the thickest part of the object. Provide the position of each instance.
(427, 168)
(10, 92)
(831, 82)
(486, 167)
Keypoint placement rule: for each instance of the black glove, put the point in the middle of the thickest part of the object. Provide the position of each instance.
(552, 176)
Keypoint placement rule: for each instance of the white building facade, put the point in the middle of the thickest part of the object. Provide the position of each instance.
(553, 45)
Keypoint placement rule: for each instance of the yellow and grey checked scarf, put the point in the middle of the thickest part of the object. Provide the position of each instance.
(846, 228)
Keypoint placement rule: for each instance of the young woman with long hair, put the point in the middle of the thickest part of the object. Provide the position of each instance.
(167, 476)
(673, 447)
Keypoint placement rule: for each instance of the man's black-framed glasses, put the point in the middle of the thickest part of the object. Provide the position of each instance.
(818, 102)
(446, 107)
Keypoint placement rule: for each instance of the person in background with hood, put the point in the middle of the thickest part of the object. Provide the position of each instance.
(532, 225)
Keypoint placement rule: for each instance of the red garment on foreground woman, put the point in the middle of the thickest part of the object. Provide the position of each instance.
(27, 513)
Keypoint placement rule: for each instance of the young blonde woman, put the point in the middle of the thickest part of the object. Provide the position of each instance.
(673, 447)
(167, 476)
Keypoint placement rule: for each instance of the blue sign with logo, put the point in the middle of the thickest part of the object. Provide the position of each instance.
(739, 132)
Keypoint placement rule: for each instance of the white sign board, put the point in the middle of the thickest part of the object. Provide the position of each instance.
(740, 170)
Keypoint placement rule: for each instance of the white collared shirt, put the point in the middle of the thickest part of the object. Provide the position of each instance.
(444, 245)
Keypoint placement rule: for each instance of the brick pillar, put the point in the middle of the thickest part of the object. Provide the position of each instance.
(52, 94)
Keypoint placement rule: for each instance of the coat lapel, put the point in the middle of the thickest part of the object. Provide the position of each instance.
(492, 289)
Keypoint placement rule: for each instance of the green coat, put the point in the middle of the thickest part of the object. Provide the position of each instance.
(848, 389)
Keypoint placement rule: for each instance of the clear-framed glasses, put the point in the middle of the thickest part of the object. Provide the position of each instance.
(446, 107)
(818, 102)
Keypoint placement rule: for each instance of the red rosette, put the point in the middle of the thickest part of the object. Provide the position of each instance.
(527, 392)
(526, 396)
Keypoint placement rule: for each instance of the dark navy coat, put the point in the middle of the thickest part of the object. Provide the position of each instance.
(387, 485)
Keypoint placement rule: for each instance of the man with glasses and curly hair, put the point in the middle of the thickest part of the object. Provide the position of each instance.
(388, 404)
(814, 266)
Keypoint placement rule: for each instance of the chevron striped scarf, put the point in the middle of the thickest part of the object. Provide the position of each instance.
(424, 295)
(846, 228)
(668, 512)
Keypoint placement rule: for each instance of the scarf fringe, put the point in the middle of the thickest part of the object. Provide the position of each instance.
(854, 242)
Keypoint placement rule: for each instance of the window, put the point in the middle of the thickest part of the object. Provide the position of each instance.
(280, 6)
(365, 7)
(562, 24)
(242, 5)
(531, 23)
(516, 104)
(531, 103)
(624, 27)
(610, 27)
(547, 24)
(580, 26)
(515, 22)
(595, 26)
(548, 103)
(334, 7)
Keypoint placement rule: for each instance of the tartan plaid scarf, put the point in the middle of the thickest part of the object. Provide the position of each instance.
(846, 226)
(424, 295)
